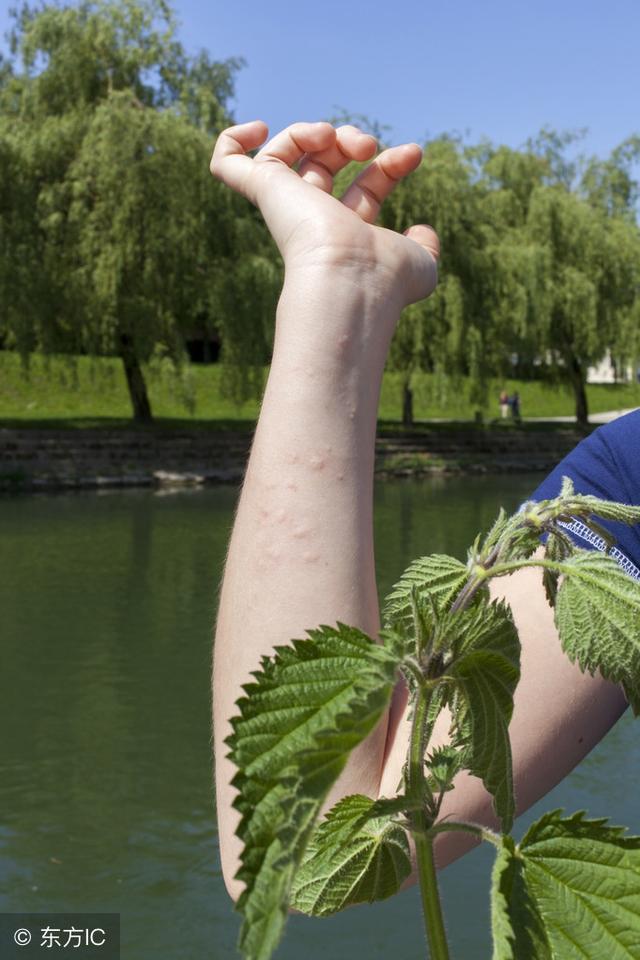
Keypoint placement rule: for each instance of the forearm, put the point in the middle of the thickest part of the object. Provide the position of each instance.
(301, 552)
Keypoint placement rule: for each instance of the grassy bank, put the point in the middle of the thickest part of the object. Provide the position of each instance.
(93, 392)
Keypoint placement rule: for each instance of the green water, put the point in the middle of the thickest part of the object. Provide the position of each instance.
(106, 801)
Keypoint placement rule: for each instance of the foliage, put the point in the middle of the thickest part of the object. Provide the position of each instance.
(558, 893)
(374, 849)
(311, 705)
(443, 333)
(539, 266)
(113, 237)
(571, 887)
(115, 240)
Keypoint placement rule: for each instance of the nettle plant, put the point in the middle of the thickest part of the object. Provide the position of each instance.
(571, 887)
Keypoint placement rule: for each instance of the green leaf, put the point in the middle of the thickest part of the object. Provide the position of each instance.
(586, 505)
(438, 576)
(443, 764)
(500, 527)
(570, 890)
(386, 807)
(516, 926)
(598, 618)
(567, 488)
(343, 867)
(311, 704)
(558, 547)
(486, 670)
(509, 537)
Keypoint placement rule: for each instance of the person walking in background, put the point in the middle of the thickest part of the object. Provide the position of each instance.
(514, 403)
(504, 404)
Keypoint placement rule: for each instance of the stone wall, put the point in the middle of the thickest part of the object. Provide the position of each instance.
(94, 458)
(42, 459)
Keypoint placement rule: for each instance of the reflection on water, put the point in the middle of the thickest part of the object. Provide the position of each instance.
(106, 801)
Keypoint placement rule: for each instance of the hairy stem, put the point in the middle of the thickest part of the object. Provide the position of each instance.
(452, 826)
(418, 787)
(511, 566)
(467, 593)
(431, 906)
(478, 579)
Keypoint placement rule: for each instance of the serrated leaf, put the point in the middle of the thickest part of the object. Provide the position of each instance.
(486, 670)
(386, 807)
(586, 504)
(439, 576)
(550, 584)
(500, 526)
(570, 890)
(558, 547)
(516, 926)
(443, 764)
(345, 864)
(567, 487)
(600, 531)
(508, 536)
(597, 614)
(311, 704)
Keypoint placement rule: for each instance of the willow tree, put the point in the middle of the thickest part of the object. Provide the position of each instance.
(609, 184)
(592, 276)
(444, 333)
(113, 125)
(514, 281)
(563, 258)
(491, 300)
(136, 240)
(22, 293)
(31, 296)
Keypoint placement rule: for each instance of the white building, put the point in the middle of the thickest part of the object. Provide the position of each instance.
(604, 372)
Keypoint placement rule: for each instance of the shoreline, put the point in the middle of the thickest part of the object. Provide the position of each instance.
(36, 460)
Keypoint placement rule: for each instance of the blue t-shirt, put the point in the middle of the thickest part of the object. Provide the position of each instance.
(607, 465)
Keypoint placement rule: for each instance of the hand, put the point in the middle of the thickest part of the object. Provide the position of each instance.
(310, 226)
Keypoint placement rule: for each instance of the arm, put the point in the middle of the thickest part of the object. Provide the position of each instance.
(301, 552)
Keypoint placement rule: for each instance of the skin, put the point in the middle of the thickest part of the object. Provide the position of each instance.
(301, 552)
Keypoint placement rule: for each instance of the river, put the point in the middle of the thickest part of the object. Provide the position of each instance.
(106, 804)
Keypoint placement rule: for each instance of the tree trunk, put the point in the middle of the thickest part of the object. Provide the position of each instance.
(580, 393)
(407, 404)
(135, 381)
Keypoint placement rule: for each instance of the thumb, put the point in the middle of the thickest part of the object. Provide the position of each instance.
(425, 268)
(426, 236)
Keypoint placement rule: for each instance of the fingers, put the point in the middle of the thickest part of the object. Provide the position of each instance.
(231, 165)
(369, 189)
(350, 144)
(229, 162)
(291, 144)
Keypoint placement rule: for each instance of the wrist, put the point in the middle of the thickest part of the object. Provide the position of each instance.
(336, 322)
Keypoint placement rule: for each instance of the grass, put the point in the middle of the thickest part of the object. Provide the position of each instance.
(84, 392)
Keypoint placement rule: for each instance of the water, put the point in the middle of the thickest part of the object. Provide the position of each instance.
(106, 802)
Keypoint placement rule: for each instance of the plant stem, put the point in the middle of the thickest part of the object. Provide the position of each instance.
(467, 594)
(482, 833)
(511, 566)
(431, 906)
(418, 787)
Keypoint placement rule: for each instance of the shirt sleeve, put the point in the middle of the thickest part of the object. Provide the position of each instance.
(607, 465)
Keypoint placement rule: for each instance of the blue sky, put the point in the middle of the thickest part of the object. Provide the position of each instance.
(488, 68)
